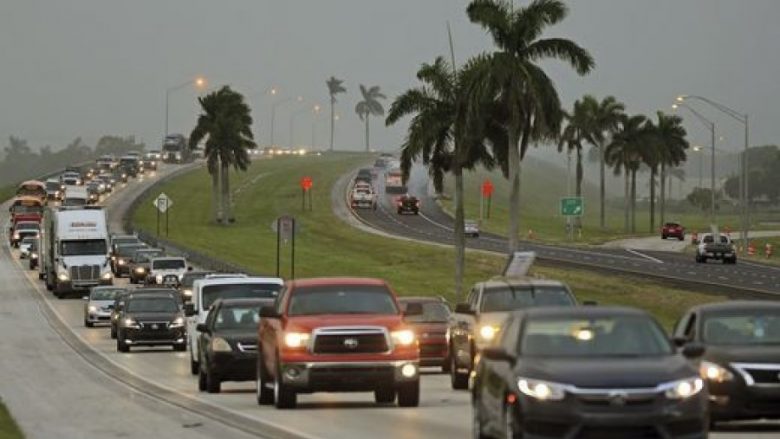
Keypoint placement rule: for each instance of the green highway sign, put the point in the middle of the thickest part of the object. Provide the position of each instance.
(572, 206)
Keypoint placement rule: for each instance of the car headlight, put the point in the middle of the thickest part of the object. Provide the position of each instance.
(140, 270)
(404, 337)
(296, 340)
(541, 390)
(107, 275)
(92, 308)
(178, 322)
(130, 323)
(187, 292)
(34, 255)
(16, 235)
(488, 332)
(684, 389)
(220, 345)
(159, 278)
(714, 373)
(56, 193)
(63, 277)
(121, 261)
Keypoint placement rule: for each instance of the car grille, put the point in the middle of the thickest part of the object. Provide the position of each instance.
(247, 346)
(432, 349)
(85, 273)
(759, 374)
(615, 400)
(633, 432)
(154, 326)
(350, 341)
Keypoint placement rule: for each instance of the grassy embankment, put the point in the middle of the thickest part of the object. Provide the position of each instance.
(8, 428)
(326, 246)
(6, 192)
(542, 185)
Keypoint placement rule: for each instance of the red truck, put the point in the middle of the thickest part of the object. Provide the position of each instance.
(337, 335)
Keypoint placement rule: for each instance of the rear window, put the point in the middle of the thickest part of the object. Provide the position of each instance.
(511, 298)
(433, 312)
(239, 291)
(168, 264)
(342, 299)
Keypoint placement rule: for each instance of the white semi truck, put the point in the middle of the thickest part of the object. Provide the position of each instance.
(75, 250)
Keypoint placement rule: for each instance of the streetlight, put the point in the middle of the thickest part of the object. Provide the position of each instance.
(273, 111)
(200, 82)
(743, 119)
(711, 125)
(315, 109)
(699, 148)
(315, 113)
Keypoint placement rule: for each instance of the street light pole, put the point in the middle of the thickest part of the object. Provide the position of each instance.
(711, 125)
(200, 82)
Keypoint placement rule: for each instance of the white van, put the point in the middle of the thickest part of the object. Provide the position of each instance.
(206, 291)
(75, 196)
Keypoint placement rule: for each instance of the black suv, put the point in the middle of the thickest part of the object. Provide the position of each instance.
(228, 342)
(151, 318)
(587, 372)
(408, 204)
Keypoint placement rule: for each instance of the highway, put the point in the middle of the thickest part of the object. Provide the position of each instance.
(69, 381)
(434, 225)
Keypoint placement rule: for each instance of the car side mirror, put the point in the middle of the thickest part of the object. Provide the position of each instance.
(498, 354)
(413, 309)
(590, 303)
(189, 268)
(269, 312)
(189, 309)
(464, 308)
(201, 327)
(693, 350)
(680, 341)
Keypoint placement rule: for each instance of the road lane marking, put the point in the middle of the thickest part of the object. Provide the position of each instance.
(634, 252)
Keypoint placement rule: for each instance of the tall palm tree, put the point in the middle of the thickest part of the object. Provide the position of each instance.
(652, 154)
(605, 118)
(624, 154)
(670, 136)
(511, 77)
(370, 106)
(439, 135)
(225, 123)
(578, 130)
(335, 87)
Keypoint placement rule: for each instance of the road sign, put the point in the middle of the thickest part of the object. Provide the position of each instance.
(572, 206)
(162, 203)
(306, 183)
(487, 188)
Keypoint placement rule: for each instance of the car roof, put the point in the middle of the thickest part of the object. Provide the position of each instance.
(500, 282)
(580, 312)
(336, 281)
(151, 294)
(108, 287)
(242, 302)
(738, 305)
(169, 258)
(421, 299)
(239, 280)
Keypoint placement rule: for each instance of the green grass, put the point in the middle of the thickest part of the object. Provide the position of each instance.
(6, 192)
(542, 185)
(326, 246)
(8, 428)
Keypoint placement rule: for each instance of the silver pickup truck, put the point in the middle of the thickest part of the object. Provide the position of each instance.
(719, 249)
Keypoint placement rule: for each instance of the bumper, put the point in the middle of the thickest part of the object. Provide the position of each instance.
(81, 285)
(408, 210)
(566, 419)
(434, 354)
(234, 366)
(98, 317)
(347, 377)
(150, 337)
(737, 401)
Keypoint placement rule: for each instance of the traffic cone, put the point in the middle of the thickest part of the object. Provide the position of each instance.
(751, 249)
(768, 250)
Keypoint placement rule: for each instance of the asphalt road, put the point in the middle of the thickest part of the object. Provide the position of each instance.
(54, 392)
(434, 225)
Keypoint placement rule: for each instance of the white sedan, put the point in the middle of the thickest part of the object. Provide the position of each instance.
(471, 228)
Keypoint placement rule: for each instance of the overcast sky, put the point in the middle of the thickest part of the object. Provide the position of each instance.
(93, 67)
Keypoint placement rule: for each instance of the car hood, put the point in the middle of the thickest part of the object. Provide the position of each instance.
(429, 327)
(607, 373)
(244, 336)
(743, 354)
(153, 316)
(309, 323)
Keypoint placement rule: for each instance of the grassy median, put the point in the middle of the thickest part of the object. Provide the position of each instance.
(326, 246)
(8, 428)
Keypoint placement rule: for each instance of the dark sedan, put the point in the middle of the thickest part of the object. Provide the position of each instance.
(741, 365)
(228, 342)
(139, 263)
(408, 204)
(124, 257)
(587, 372)
(431, 326)
(151, 319)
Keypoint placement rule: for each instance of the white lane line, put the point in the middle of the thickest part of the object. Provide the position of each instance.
(744, 262)
(634, 252)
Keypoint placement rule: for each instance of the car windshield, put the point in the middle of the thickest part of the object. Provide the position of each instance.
(28, 241)
(52, 185)
(759, 327)
(709, 239)
(83, 247)
(145, 256)
(26, 209)
(74, 202)
(128, 250)
(189, 278)
(433, 312)
(510, 298)
(237, 318)
(27, 226)
(128, 240)
(105, 293)
(610, 336)
(239, 291)
(152, 304)
(342, 299)
(672, 225)
(168, 264)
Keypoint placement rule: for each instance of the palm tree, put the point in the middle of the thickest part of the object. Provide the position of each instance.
(225, 123)
(577, 130)
(370, 106)
(511, 77)
(438, 134)
(605, 118)
(334, 87)
(670, 137)
(652, 154)
(624, 154)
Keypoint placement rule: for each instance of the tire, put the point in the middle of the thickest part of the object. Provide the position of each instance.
(213, 383)
(663, 237)
(202, 385)
(384, 395)
(447, 365)
(181, 347)
(409, 394)
(194, 366)
(476, 422)
(121, 346)
(40, 276)
(113, 332)
(88, 324)
(510, 426)
(459, 381)
(400, 212)
(284, 397)
(265, 396)
(681, 238)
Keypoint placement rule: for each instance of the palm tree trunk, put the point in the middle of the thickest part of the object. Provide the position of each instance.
(332, 120)
(652, 199)
(227, 214)
(514, 185)
(626, 201)
(662, 199)
(460, 236)
(602, 188)
(215, 198)
(367, 134)
(633, 201)
(578, 189)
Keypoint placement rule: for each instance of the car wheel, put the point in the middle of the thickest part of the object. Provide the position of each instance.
(264, 392)
(460, 381)
(400, 212)
(476, 421)
(213, 383)
(409, 394)
(181, 347)
(88, 324)
(384, 395)
(202, 384)
(40, 276)
(284, 397)
(510, 425)
(681, 238)
(113, 332)
(121, 346)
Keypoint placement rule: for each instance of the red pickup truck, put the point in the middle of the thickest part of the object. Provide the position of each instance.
(337, 335)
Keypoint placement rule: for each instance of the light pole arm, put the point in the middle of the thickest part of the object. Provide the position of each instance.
(741, 117)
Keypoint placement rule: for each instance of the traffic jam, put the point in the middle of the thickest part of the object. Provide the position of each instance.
(536, 361)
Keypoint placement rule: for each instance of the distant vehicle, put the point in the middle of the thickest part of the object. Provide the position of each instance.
(24, 229)
(119, 303)
(326, 331)
(408, 204)
(471, 228)
(75, 250)
(130, 165)
(107, 180)
(741, 361)
(120, 174)
(28, 209)
(106, 162)
(151, 319)
(587, 372)
(175, 149)
(188, 279)
(431, 327)
(35, 255)
(364, 175)
(150, 160)
(206, 291)
(26, 244)
(673, 230)
(477, 321)
(117, 240)
(71, 178)
(161, 267)
(139, 265)
(93, 190)
(155, 154)
(228, 342)
(33, 188)
(363, 197)
(380, 163)
(99, 303)
(123, 257)
(53, 189)
(75, 196)
(721, 249)
(394, 182)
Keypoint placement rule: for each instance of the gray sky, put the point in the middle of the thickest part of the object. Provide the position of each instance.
(92, 67)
